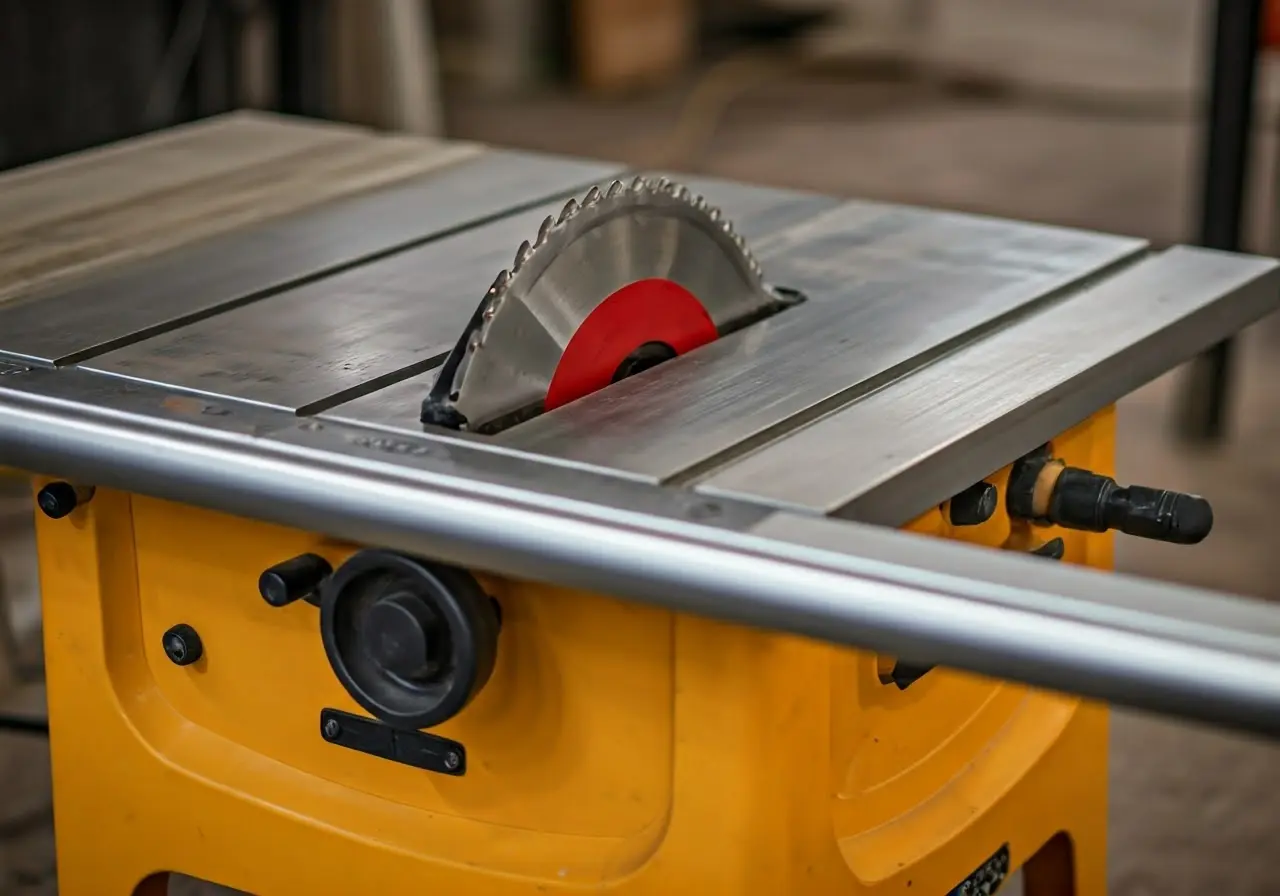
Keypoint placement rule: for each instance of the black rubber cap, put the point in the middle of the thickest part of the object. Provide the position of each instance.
(57, 500)
(1193, 519)
(1053, 549)
(298, 578)
(975, 505)
(182, 645)
(404, 637)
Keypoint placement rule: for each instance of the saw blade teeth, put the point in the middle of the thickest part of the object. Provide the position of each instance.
(483, 356)
(522, 255)
(545, 230)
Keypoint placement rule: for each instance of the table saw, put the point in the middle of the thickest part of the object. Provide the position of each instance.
(496, 522)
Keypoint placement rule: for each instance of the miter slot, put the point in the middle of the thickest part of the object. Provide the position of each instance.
(890, 290)
(137, 301)
(316, 345)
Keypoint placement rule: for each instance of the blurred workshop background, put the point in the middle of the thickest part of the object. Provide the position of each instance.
(1090, 113)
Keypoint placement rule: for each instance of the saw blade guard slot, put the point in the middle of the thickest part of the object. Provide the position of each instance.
(627, 279)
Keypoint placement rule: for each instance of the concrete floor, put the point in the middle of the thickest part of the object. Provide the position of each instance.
(1191, 811)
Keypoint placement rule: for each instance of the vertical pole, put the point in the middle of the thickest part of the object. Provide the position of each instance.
(1228, 128)
(301, 48)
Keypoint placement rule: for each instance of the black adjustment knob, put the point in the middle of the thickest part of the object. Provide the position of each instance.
(412, 642)
(182, 645)
(973, 506)
(298, 578)
(904, 674)
(1046, 490)
(58, 499)
(1054, 549)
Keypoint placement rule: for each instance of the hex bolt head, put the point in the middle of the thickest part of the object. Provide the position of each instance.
(182, 645)
(452, 760)
(332, 728)
(975, 505)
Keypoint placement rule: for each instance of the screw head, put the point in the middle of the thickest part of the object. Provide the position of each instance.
(332, 729)
(182, 645)
(452, 760)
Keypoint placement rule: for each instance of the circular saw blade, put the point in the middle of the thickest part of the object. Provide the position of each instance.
(619, 281)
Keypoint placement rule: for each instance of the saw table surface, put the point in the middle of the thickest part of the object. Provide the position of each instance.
(924, 332)
(273, 366)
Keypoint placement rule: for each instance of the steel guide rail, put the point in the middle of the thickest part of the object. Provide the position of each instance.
(1196, 654)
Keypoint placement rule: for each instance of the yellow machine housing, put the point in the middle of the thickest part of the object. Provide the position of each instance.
(617, 747)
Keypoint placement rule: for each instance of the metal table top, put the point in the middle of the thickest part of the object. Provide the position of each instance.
(276, 372)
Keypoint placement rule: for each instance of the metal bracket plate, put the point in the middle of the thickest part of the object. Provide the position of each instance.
(415, 748)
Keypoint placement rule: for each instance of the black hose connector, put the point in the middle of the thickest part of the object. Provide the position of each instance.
(1047, 491)
(1084, 500)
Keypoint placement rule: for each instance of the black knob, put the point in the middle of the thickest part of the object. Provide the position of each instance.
(1048, 491)
(298, 578)
(182, 645)
(413, 642)
(973, 506)
(1054, 549)
(904, 674)
(58, 499)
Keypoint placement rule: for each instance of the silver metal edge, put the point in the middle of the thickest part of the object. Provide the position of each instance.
(975, 447)
(809, 576)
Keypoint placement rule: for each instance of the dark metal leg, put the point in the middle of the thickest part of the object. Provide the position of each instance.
(1228, 131)
(301, 48)
(210, 74)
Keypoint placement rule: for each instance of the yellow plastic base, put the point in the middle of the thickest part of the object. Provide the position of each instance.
(617, 747)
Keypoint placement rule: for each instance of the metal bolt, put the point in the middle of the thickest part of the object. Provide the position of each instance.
(452, 760)
(332, 729)
(182, 645)
(975, 505)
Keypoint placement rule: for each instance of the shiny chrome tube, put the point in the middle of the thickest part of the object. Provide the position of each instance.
(1195, 654)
